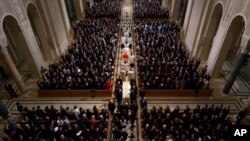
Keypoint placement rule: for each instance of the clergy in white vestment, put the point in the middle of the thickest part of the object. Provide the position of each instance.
(132, 60)
(130, 40)
(126, 49)
(123, 40)
(126, 44)
(123, 75)
(124, 65)
(130, 74)
(126, 35)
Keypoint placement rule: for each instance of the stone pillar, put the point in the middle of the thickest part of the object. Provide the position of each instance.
(26, 41)
(187, 16)
(4, 54)
(55, 22)
(173, 9)
(65, 17)
(237, 66)
(183, 12)
(78, 6)
(168, 5)
(84, 6)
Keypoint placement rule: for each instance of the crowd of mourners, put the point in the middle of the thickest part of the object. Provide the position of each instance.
(149, 9)
(64, 124)
(89, 62)
(104, 8)
(124, 114)
(201, 123)
(162, 59)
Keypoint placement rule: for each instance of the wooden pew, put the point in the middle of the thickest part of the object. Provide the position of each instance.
(177, 93)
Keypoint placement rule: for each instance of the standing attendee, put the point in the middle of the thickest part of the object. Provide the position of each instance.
(109, 84)
(11, 120)
(10, 90)
(2, 73)
(19, 107)
(111, 106)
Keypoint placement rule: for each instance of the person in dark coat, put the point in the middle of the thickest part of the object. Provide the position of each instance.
(134, 107)
(119, 96)
(144, 103)
(10, 90)
(241, 115)
(19, 107)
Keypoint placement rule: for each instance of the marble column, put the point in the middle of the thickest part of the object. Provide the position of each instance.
(78, 6)
(235, 71)
(65, 17)
(173, 9)
(12, 69)
(169, 4)
(187, 16)
(54, 18)
(183, 12)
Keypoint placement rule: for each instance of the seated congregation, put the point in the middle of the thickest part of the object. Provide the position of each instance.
(104, 8)
(71, 124)
(89, 62)
(149, 9)
(162, 59)
(201, 123)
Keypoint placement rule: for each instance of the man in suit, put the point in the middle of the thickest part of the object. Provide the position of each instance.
(111, 107)
(10, 90)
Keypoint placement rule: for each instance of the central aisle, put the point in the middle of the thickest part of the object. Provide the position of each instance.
(126, 61)
(126, 53)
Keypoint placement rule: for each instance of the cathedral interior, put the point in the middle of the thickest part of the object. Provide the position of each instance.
(125, 70)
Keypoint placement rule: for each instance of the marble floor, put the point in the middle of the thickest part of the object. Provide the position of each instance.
(236, 102)
(242, 84)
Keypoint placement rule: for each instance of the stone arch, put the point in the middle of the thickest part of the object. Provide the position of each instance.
(13, 50)
(3, 17)
(237, 28)
(230, 46)
(39, 31)
(212, 29)
(18, 47)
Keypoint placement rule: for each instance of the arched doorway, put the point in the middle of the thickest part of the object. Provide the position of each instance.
(18, 47)
(231, 44)
(238, 30)
(40, 32)
(211, 31)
